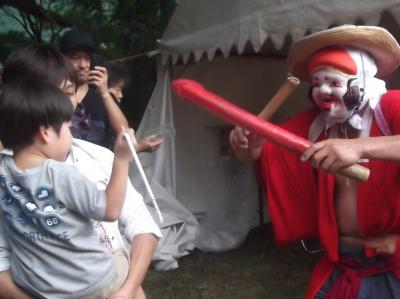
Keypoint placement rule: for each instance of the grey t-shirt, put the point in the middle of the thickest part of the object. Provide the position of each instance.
(45, 221)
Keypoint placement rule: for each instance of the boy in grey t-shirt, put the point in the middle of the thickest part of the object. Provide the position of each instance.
(46, 205)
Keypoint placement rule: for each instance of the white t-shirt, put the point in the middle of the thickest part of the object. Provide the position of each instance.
(95, 162)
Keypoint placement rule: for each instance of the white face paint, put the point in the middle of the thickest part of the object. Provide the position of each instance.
(329, 86)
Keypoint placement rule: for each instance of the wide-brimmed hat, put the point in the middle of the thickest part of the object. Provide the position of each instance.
(377, 41)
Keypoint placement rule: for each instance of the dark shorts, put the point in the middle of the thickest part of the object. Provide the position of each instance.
(380, 286)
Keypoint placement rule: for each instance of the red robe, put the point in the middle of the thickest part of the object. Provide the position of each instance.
(300, 199)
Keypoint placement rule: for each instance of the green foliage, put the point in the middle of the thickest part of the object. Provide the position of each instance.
(11, 40)
(122, 28)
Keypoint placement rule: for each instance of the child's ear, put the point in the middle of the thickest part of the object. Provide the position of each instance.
(44, 134)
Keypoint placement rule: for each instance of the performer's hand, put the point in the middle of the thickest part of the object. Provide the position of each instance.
(382, 245)
(99, 78)
(238, 139)
(333, 154)
(247, 146)
(241, 139)
(149, 144)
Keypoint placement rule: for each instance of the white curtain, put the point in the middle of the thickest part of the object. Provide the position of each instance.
(179, 226)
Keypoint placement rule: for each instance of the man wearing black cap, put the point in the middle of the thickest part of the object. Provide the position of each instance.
(96, 111)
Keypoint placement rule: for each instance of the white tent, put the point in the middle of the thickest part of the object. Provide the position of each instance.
(237, 49)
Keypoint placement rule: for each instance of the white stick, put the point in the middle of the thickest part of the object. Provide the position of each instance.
(146, 183)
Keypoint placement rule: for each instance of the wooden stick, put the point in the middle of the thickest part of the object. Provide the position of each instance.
(280, 96)
(197, 94)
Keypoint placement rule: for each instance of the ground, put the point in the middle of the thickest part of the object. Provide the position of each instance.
(257, 269)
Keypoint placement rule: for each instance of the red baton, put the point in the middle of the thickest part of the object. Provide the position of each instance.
(197, 94)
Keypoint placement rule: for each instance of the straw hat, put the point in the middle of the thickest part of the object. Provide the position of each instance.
(377, 41)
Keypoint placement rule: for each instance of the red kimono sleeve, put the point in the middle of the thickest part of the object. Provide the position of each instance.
(290, 186)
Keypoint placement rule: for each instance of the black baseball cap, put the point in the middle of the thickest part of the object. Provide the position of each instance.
(77, 38)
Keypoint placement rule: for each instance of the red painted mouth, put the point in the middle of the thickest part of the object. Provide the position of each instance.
(326, 103)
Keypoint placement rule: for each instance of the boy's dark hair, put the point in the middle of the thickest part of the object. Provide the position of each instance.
(117, 72)
(28, 104)
(42, 62)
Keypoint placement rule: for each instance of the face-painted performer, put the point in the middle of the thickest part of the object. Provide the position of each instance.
(355, 119)
(339, 76)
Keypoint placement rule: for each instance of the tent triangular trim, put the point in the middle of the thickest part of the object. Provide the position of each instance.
(251, 23)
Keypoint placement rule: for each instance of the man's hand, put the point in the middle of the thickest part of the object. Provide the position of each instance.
(241, 139)
(247, 146)
(149, 144)
(333, 154)
(99, 78)
(238, 139)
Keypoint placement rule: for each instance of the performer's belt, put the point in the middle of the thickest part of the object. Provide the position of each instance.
(348, 283)
(351, 240)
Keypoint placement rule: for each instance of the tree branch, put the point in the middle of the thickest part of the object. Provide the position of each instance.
(29, 7)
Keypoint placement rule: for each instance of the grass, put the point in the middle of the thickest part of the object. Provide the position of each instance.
(257, 269)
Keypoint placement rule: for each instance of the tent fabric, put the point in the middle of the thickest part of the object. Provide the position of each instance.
(228, 220)
(179, 226)
(219, 191)
(200, 28)
(159, 120)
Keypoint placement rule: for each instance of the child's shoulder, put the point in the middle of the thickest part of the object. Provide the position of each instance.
(60, 168)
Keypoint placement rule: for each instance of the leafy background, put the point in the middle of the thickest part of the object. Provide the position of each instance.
(125, 30)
